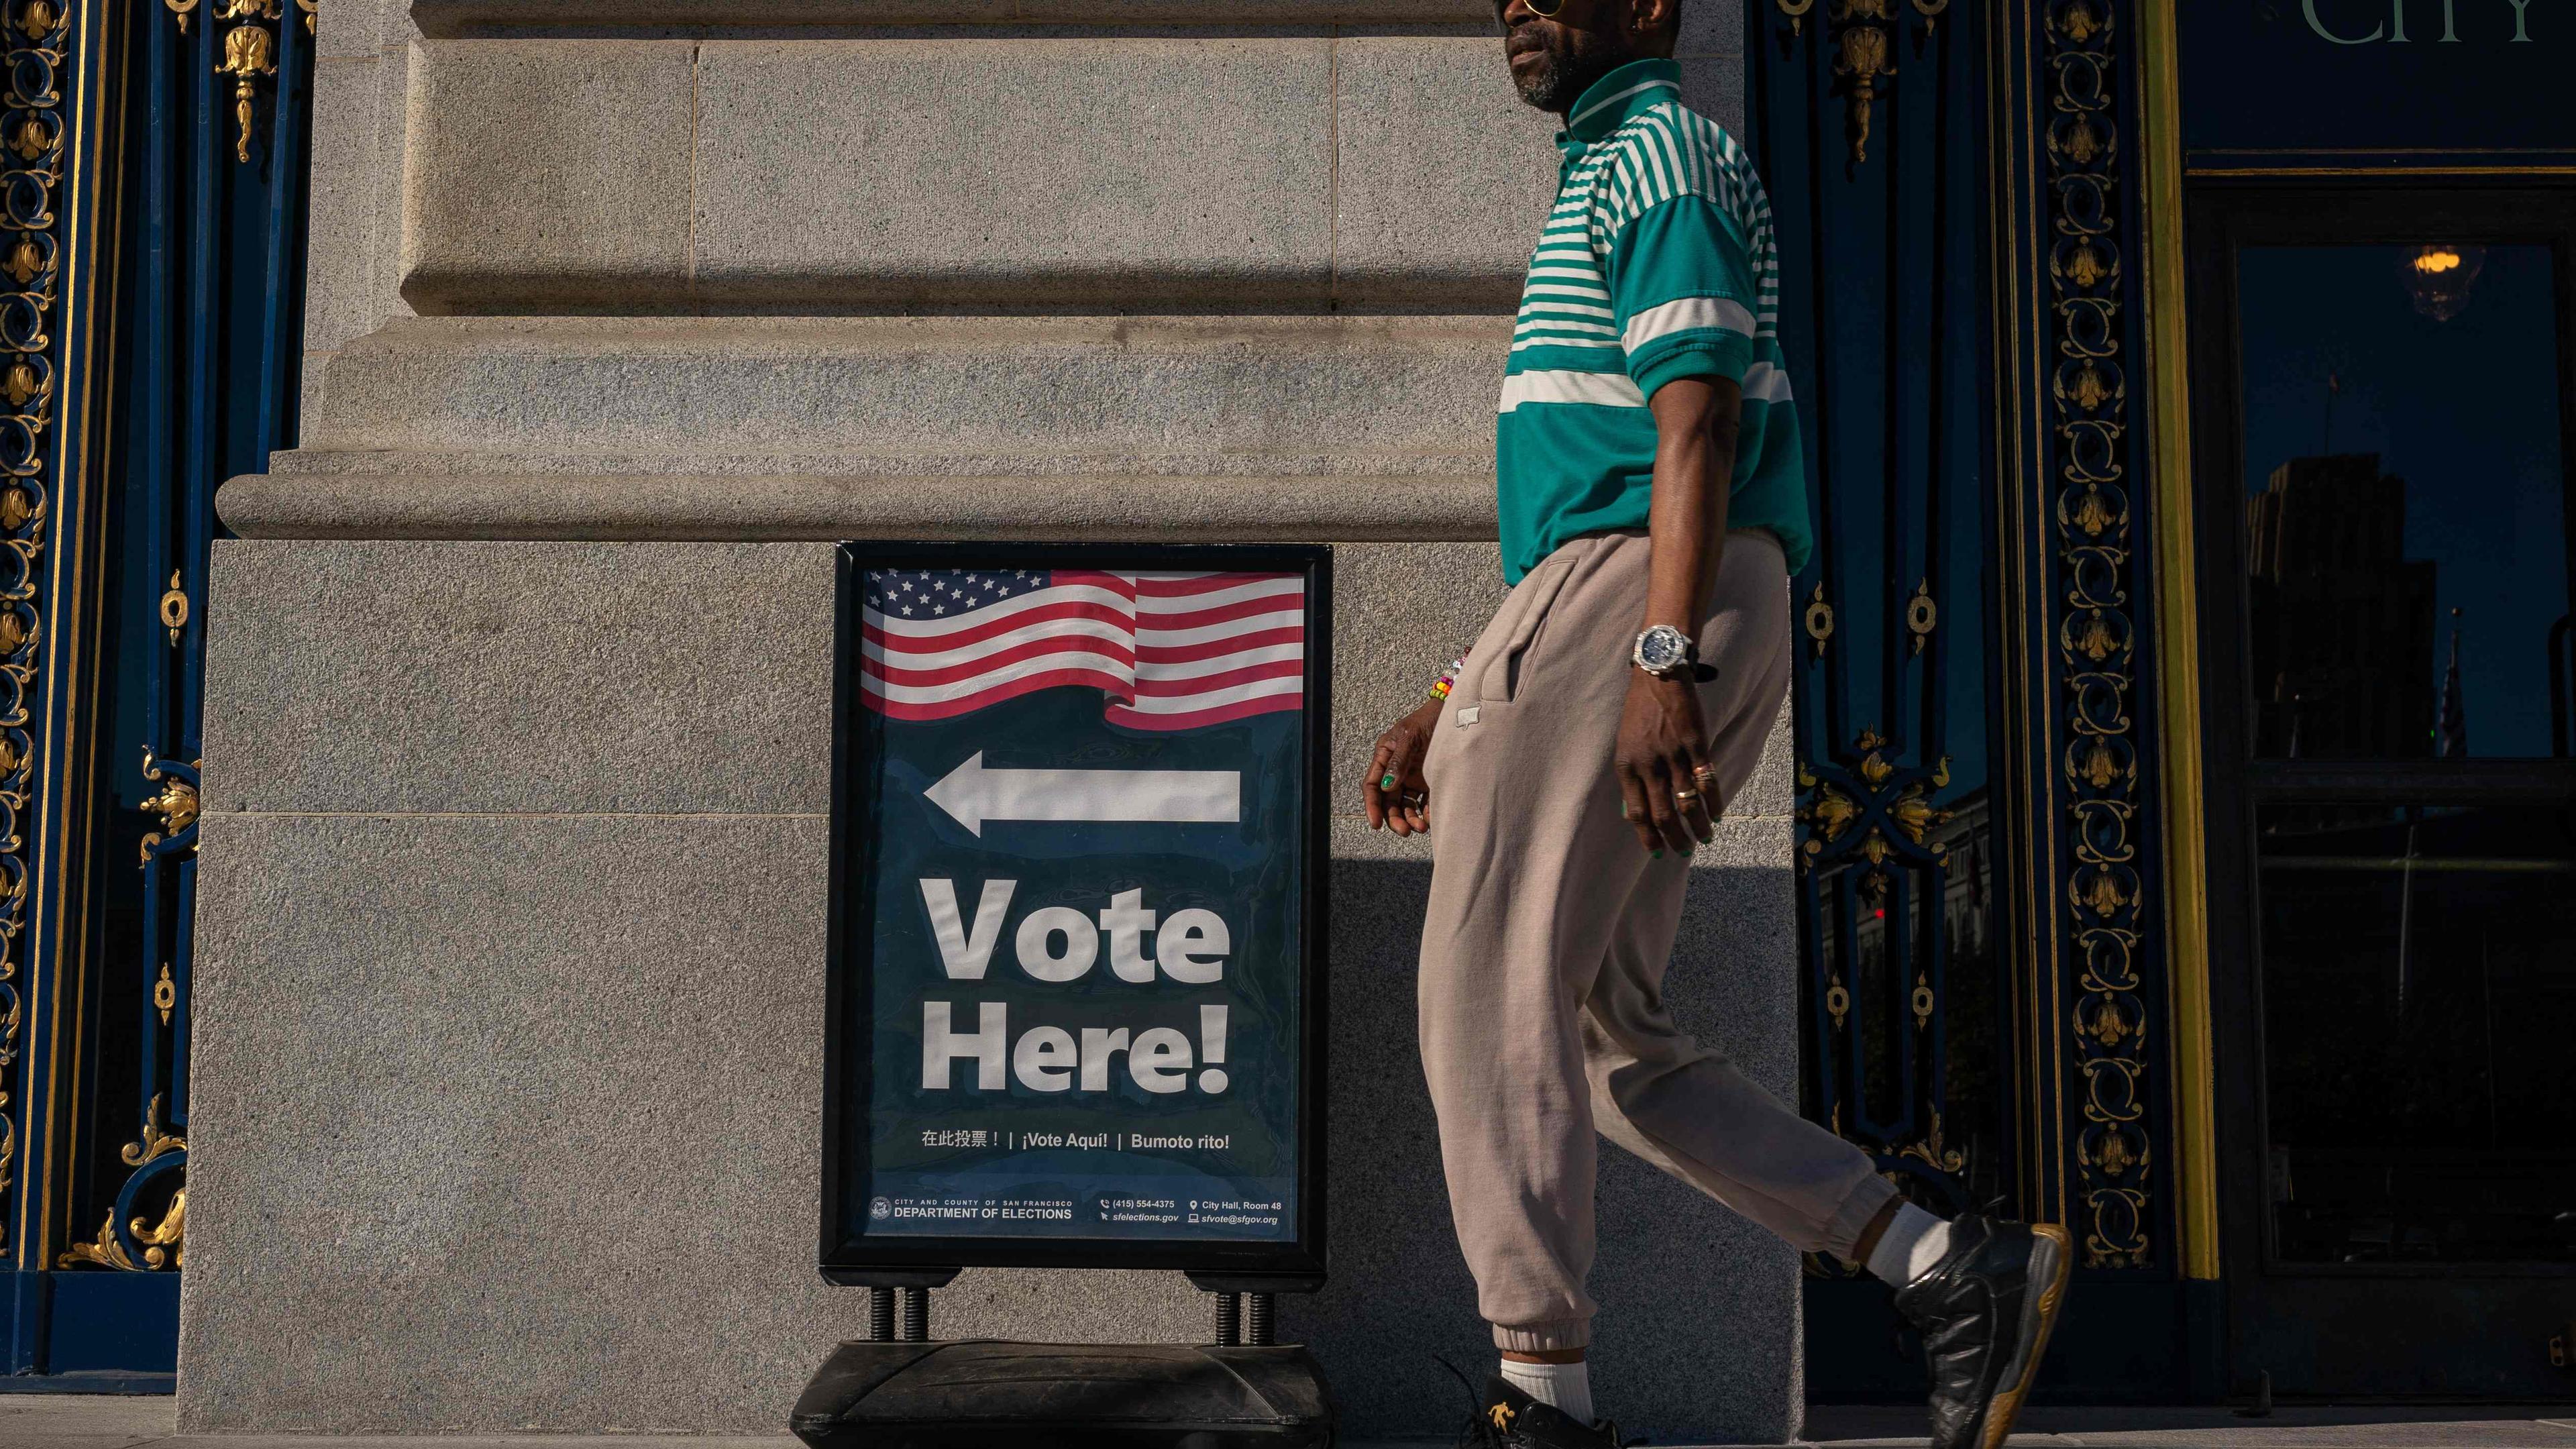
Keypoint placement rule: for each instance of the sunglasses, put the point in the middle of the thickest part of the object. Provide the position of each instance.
(1543, 9)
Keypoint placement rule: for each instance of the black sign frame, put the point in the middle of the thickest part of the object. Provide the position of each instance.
(856, 1259)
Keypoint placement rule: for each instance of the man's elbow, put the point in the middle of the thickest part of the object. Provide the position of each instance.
(1725, 424)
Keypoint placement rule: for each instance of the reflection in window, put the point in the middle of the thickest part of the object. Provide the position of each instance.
(2419, 975)
(2406, 530)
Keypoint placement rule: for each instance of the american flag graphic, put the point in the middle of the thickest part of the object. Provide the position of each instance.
(1173, 651)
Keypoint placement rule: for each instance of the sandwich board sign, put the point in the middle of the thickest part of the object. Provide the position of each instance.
(1076, 1005)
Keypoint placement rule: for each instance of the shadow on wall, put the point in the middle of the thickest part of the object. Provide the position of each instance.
(1698, 1324)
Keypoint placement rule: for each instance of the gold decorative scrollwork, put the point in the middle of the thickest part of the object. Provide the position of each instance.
(103, 1250)
(2095, 635)
(164, 1242)
(1922, 615)
(155, 1141)
(165, 994)
(1832, 813)
(1819, 620)
(182, 9)
(1838, 1003)
(1796, 10)
(34, 126)
(1932, 1152)
(174, 608)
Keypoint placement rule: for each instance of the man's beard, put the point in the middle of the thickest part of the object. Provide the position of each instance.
(1562, 77)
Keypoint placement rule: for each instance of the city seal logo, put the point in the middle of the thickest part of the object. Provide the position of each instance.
(880, 1209)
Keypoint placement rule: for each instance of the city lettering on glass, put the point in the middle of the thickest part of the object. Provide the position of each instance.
(2392, 29)
(1077, 839)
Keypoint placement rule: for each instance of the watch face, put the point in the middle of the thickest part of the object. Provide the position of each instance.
(1660, 647)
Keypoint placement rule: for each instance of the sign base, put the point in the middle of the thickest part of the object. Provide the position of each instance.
(984, 1394)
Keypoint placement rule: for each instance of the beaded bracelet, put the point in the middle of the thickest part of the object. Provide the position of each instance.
(1449, 677)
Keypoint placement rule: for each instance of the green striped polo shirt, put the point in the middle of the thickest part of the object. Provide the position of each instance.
(1656, 263)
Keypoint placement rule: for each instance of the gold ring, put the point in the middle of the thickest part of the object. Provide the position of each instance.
(1705, 772)
(1686, 796)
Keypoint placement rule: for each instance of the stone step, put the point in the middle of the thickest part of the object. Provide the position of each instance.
(931, 396)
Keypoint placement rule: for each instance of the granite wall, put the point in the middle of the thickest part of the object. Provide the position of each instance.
(506, 1085)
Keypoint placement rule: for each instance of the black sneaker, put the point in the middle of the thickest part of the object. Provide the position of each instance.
(1985, 1311)
(1510, 1419)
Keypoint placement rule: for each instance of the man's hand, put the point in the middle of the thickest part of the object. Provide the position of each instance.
(1667, 785)
(1397, 796)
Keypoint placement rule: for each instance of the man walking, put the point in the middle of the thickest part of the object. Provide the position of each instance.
(1653, 504)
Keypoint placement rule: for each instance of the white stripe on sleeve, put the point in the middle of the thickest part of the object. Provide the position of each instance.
(1564, 385)
(1687, 314)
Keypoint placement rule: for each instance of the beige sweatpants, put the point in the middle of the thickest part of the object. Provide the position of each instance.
(1543, 952)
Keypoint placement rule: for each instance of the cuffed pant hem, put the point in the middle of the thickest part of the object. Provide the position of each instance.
(1559, 1333)
(1842, 1234)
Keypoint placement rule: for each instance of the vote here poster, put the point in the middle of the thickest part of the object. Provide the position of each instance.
(1074, 842)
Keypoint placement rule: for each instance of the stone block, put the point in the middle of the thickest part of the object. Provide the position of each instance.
(547, 172)
(1711, 28)
(961, 396)
(340, 266)
(1445, 174)
(562, 1077)
(350, 29)
(1175, 170)
(391, 676)
(1714, 87)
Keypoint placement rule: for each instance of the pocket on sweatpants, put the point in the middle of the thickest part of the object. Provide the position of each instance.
(1500, 680)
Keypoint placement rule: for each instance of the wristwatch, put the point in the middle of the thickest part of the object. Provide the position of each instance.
(1667, 653)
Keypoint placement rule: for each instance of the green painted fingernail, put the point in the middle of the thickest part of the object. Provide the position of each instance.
(1658, 855)
(1387, 784)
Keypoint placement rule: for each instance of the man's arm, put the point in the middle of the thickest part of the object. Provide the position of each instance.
(1663, 765)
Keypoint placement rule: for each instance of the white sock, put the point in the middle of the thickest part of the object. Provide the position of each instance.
(1566, 1387)
(1912, 1246)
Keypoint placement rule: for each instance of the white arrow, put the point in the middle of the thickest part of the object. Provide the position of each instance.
(974, 795)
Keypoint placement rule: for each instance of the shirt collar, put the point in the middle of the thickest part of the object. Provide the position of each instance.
(1608, 102)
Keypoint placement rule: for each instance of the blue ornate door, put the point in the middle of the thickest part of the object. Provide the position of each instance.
(1958, 213)
(154, 232)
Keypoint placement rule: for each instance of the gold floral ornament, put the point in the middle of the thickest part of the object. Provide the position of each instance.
(39, 19)
(1860, 60)
(182, 9)
(26, 259)
(176, 804)
(250, 55)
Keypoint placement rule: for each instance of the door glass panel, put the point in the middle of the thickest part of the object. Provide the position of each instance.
(2419, 974)
(2406, 522)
